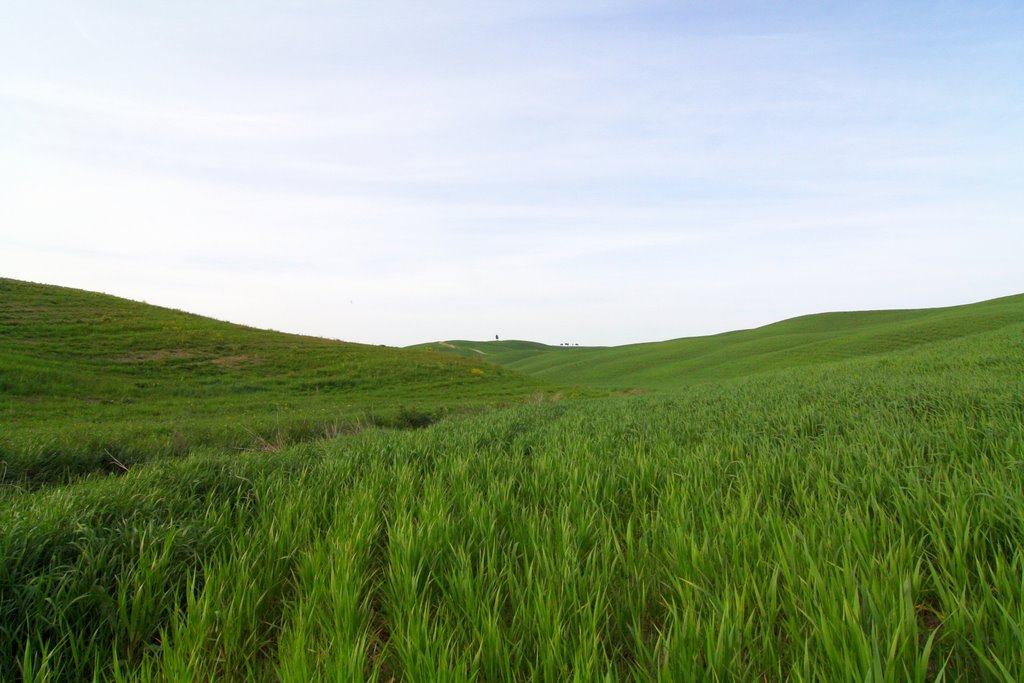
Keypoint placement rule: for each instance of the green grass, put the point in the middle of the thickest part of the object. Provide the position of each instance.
(802, 341)
(850, 520)
(88, 381)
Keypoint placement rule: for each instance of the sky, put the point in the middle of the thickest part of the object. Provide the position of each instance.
(598, 172)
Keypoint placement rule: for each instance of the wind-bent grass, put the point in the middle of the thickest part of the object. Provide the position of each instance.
(856, 521)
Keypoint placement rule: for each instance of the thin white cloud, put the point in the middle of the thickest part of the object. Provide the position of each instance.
(615, 172)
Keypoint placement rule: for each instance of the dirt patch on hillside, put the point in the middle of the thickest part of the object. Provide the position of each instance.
(468, 348)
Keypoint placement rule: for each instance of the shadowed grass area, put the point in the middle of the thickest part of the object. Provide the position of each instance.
(90, 382)
(803, 341)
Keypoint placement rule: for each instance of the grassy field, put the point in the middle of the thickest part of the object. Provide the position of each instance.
(858, 519)
(90, 382)
(803, 341)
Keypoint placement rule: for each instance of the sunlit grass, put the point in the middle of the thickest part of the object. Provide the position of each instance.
(800, 342)
(94, 383)
(855, 521)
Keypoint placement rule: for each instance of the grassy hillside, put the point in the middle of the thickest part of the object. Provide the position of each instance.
(802, 341)
(831, 498)
(861, 520)
(89, 382)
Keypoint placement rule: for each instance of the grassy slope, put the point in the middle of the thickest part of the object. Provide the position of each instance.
(858, 520)
(87, 378)
(802, 341)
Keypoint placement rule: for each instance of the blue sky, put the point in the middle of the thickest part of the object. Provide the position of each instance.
(592, 172)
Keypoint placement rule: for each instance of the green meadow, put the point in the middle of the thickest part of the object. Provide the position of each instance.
(96, 383)
(838, 497)
(804, 341)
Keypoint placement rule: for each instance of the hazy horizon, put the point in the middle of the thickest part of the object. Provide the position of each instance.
(601, 173)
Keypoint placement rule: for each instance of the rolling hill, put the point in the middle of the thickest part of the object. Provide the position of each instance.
(834, 497)
(803, 341)
(853, 520)
(95, 382)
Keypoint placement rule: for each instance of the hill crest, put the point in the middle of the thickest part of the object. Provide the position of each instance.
(802, 340)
